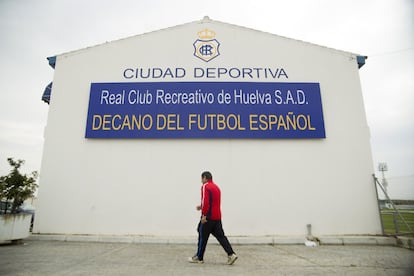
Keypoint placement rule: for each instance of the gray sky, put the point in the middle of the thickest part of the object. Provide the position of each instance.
(31, 30)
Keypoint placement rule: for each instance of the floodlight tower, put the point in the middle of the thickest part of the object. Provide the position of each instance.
(383, 167)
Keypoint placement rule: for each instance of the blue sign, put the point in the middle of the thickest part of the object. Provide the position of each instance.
(205, 110)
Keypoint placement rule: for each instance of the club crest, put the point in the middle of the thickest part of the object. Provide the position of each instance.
(206, 47)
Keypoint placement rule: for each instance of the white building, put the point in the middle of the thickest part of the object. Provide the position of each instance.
(279, 122)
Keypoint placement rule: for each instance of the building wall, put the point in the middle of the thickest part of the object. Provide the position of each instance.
(151, 186)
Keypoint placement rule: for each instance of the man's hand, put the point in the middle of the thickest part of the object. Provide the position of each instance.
(203, 219)
(198, 207)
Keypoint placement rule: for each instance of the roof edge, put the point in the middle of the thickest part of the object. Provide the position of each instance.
(52, 61)
(206, 19)
(361, 60)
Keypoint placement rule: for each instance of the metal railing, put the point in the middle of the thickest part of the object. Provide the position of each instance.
(398, 221)
(394, 225)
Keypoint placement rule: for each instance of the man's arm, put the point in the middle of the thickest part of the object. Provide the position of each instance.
(205, 201)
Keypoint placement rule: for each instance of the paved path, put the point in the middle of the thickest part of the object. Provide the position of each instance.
(36, 257)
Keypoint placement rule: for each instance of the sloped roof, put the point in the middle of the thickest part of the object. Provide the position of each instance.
(206, 19)
(52, 59)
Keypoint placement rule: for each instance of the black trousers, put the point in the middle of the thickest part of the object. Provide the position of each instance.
(215, 228)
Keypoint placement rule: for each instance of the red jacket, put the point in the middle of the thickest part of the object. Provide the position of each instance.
(210, 201)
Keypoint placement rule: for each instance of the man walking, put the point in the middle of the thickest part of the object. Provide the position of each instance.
(210, 222)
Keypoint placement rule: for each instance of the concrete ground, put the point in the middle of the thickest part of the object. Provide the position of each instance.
(63, 257)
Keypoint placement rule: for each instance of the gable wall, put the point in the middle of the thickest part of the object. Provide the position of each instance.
(151, 186)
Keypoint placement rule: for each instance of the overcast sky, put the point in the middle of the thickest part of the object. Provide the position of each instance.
(383, 30)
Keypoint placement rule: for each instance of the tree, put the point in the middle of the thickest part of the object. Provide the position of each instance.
(17, 187)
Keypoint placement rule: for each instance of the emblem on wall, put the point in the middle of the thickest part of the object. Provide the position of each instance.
(206, 47)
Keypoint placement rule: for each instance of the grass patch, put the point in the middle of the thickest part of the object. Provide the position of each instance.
(390, 219)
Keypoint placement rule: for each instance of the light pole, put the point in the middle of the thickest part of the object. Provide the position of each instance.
(383, 167)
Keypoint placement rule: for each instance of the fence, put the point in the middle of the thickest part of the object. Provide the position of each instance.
(399, 222)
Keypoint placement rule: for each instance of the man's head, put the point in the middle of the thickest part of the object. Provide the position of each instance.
(206, 176)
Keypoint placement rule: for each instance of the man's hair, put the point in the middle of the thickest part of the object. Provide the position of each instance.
(207, 175)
